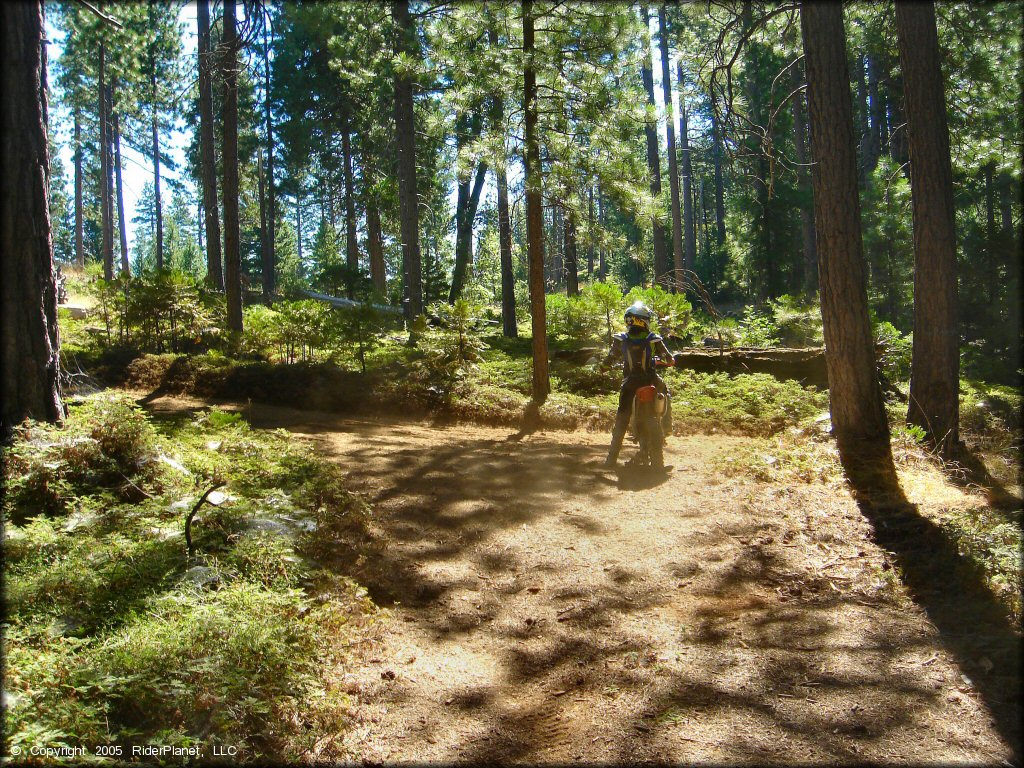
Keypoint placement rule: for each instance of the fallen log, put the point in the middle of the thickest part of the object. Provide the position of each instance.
(804, 365)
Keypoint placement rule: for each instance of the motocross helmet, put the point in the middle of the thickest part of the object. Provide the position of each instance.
(638, 318)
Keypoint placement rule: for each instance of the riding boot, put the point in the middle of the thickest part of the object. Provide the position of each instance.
(666, 420)
(618, 432)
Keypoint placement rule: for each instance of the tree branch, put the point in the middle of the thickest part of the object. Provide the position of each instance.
(101, 15)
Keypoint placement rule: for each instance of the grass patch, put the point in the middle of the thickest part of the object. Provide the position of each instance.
(115, 636)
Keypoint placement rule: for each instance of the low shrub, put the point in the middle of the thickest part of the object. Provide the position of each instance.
(115, 636)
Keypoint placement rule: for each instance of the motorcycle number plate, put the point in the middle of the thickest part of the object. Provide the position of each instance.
(646, 394)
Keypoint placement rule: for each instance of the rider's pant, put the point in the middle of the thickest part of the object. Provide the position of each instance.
(633, 383)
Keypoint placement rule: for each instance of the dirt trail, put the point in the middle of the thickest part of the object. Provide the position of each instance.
(547, 612)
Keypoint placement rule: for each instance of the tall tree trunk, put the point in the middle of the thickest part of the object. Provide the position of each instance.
(992, 250)
(374, 233)
(803, 183)
(351, 241)
(764, 259)
(868, 153)
(879, 129)
(602, 268)
(1010, 238)
(509, 327)
(534, 214)
(208, 162)
(590, 229)
(855, 398)
(232, 254)
(156, 146)
(935, 364)
(673, 169)
(267, 267)
(689, 226)
(716, 138)
(79, 206)
(298, 225)
(122, 227)
(30, 350)
(572, 265)
(557, 241)
(156, 193)
(465, 214)
(662, 263)
(898, 144)
(270, 254)
(106, 210)
(405, 145)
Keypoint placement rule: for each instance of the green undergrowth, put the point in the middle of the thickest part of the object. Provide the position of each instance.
(115, 635)
(494, 390)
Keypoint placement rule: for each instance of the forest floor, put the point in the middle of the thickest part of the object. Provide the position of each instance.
(546, 611)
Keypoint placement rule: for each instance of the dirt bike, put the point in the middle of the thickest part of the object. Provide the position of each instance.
(649, 406)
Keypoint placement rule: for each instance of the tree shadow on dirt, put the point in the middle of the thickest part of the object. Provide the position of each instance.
(969, 471)
(974, 626)
(768, 667)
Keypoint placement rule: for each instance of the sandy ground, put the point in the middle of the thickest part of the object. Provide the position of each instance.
(545, 611)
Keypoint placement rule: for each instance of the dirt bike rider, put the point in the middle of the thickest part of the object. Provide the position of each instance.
(637, 348)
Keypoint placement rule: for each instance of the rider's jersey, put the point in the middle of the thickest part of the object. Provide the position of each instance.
(638, 353)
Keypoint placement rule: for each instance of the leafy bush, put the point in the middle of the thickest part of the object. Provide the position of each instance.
(607, 300)
(449, 351)
(159, 311)
(798, 321)
(108, 444)
(575, 318)
(672, 310)
(758, 329)
(895, 356)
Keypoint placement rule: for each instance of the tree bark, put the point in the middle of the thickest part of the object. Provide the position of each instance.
(232, 255)
(208, 162)
(602, 268)
(572, 266)
(79, 206)
(106, 209)
(156, 192)
(898, 149)
(716, 137)
(270, 254)
(673, 169)
(405, 144)
(855, 398)
(803, 182)
(662, 263)
(935, 363)
(509, 327)
(351, 242)
(689, 226)
(298, 224)
(467, 202)
(590, 229)
(877, 109)
(156, 147)
(30, 350)
(121, 226)
(266, 265)
(557, 241)
(534, 214)
(374, 234)
(868, 154)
